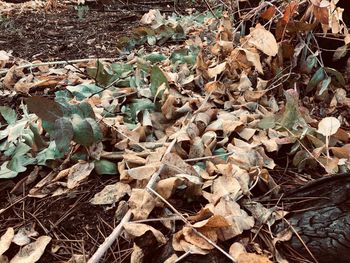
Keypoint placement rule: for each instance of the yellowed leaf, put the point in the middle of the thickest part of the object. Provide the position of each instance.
(6, 239)
(263, 40)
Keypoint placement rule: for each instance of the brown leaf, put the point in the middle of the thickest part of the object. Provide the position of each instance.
(137, 230)
(111, 194)
(31, 253)
(141, 203)
(268, 13)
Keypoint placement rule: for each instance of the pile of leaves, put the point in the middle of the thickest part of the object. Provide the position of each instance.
(192, 115)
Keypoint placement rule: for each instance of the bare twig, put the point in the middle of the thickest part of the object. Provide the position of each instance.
(110, 239)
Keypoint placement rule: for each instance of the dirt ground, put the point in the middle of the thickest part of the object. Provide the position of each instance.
(64, 34)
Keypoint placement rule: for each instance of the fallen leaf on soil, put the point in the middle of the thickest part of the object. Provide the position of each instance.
(111, 194)
(137, 230)
(32, 252)
(141, 203)
(6, 239)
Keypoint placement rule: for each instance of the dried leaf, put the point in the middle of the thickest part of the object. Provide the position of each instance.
(263, 40)
(6, 239)
(328, 126)
(111, 194)
(32, 252)
(137, 230)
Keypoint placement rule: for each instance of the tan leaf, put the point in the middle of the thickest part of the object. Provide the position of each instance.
(215, 221)
(252, 258)
(141, 203)
(137, 230)
(263, 40)
(78, 173)
(254, 58)
(193, 238)
(236, 249)
(143, 172)
(328, 126)
(167, 187)
(213, 72)
(137, 255)
(32, 252)
(111, 194)
(6, 239)
(226, 185)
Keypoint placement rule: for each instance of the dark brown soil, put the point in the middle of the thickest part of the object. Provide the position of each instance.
(62, 35)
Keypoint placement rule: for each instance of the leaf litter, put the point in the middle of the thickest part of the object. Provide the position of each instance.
(188, 130)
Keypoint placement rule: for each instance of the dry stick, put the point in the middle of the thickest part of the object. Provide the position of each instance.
(63, 62)
(110, 239)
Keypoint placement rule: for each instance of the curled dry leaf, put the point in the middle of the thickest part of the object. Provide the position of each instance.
(263, 40)
(137, 230)
(252, 258)
(137, 255)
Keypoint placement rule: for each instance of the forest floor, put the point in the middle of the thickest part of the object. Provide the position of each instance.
(67, 38)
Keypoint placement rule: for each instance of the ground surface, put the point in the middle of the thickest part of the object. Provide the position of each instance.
(60, 34)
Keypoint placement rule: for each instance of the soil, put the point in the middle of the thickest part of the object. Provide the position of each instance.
(63, 34)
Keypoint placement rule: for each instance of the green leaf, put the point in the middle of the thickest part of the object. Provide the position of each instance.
(155, 57)
(138, 105)
(100, 73)
(44, 108)
(6, 173)
(324, 85)
(157, 79)
(267, 122)
(21, 149)
(122, 70)
(16, 130)
(83, 132)
(336, 74)
(105, 167)
(9, 114)
(63, 134)
(86, 110)
(50, 153)
(19, 163)
(316, 78)
(221, 151)
(84, 91)
(97, 133)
